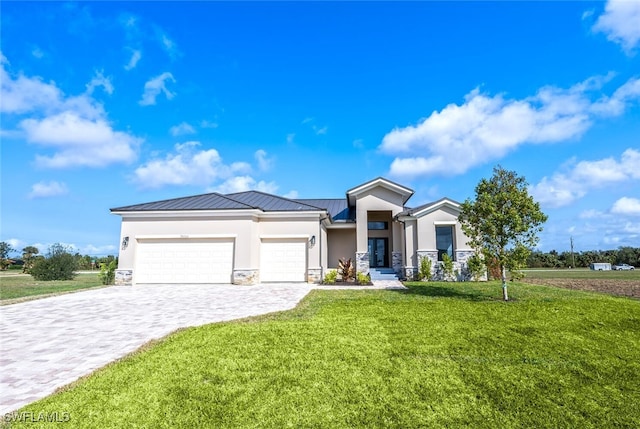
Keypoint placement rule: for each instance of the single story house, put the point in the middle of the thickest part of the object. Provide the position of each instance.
(253, 237)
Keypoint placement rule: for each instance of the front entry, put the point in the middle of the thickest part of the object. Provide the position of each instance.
(378, 252)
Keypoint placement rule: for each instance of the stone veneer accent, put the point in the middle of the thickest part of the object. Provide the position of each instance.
(124, 278)
(396, 262)
(246, 277)
(314, 275)
(362, 262)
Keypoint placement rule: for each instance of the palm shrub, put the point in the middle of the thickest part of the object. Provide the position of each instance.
(346, 269)
(425, 269)
(108, 272)
(59, 264)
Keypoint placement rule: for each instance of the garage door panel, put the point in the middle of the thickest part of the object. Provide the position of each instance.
(283, 261)
(190, 261)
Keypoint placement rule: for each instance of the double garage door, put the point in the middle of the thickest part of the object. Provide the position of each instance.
(184, 261)
(211, 261)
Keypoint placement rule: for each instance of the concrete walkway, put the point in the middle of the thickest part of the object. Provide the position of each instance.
(51, 342)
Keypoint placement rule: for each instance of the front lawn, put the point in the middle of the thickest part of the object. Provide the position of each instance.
(18, 287)
(438, 355)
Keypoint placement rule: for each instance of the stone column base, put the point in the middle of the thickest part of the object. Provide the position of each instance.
(362, 262)
(124, 278)
(314, 275)
(396, 262)
(246, 277)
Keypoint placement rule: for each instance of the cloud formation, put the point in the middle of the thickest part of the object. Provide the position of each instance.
(48, 189)
(563, 188)
(621, 23)
(76, 128)
(264, 162)
(485, 128)
(99, 80)
(154, 86)
(136, 55)
(627, 206)
(182, 129)
(245, 183)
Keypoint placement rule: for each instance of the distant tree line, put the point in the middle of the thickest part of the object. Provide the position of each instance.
(554, 259)
(31, 255)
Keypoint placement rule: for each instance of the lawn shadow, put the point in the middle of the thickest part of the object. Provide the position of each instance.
(456, 290)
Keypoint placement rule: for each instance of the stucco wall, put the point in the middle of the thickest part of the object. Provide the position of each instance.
(342, 244)
(427, 229)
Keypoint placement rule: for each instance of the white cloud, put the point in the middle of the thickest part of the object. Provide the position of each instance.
(621, 23)
(293, 194)
(264, 162)
(563, 188)
(187, 166)
(208, 124)
(136, 55)
(290, 138)
(48, 189)
(79, 141)
(358, 143)
(245, 183)
(100, 80)
(75, 127)
(37, 52)
(627, 206)
(486, 128)
(154, 86)
(182, 129)
(320, 131)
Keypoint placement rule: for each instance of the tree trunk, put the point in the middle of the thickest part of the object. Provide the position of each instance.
(505, 295)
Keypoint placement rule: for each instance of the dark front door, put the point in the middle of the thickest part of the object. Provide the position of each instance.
(378, 252)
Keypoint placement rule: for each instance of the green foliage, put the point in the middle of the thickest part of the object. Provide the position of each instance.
(5, 250)
(363, 278)
(58, 265)
(424, 272)
(29, 255)
(447, 267)
(331, 277)
(503, 221)
(346, 269)
(108, 272)
(476, 266)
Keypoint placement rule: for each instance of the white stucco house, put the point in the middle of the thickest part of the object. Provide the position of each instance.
(253, 237)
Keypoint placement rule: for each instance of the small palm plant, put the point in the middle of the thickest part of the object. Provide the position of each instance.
(346, 269)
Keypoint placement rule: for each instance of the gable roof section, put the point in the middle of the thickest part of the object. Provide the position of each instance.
(405, 192)
(430, 207)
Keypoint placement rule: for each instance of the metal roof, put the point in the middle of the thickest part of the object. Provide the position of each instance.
(337, 207)
(271, 203)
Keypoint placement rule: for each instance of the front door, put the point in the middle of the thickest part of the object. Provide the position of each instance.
(378, 252)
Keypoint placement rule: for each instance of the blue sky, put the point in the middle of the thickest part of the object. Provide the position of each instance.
(106, 104)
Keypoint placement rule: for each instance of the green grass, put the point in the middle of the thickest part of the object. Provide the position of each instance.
(581, 273)
(439, 355)
(22, 286)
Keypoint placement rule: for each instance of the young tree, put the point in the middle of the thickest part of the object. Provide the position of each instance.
(29, 255)
(503, 221)
(5, 250)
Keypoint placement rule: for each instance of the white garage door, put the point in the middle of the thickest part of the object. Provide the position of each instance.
(283, 261)
(184, 261)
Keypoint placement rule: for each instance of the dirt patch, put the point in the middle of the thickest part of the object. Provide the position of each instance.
(629, 288)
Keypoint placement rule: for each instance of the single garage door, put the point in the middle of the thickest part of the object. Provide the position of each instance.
(184, 261)
(283, 261)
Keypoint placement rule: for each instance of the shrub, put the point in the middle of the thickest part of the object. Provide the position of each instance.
(346, 269)
(108, 272)
(447, 266)
(58, 265)
(476, 267)
(330, 277)
(425, 269)
(363, 278)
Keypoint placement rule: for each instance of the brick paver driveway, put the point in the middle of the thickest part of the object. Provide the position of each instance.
(48, 343)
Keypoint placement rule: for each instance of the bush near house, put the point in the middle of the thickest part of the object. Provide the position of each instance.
(59, 264)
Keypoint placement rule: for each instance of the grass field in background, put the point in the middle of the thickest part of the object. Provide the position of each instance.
(438, 355)
(581, 273)
(14, 286)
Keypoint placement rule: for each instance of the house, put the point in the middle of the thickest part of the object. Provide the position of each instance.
(253, 237)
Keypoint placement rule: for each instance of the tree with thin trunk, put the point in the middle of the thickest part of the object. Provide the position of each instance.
(29, 255)
(503, 221)
(5, 250)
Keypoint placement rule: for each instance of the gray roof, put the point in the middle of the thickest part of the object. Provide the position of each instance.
(214, 201)
(410, 212)
(337, 207)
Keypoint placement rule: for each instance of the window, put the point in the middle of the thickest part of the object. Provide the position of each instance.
(444, 241)
(378, 225)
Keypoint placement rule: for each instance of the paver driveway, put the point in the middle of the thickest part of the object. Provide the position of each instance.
(48, 343)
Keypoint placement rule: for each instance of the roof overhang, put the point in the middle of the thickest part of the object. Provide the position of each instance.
(429, 208)
(405, 192)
